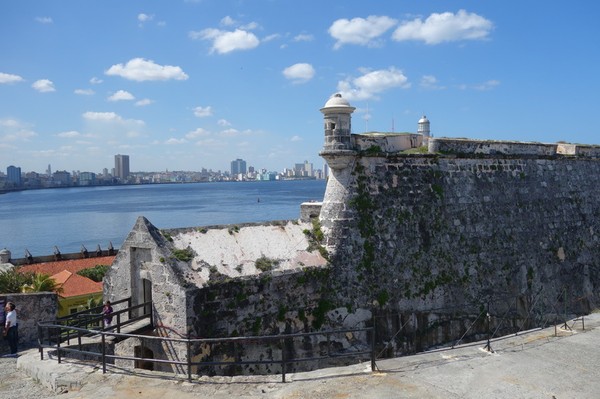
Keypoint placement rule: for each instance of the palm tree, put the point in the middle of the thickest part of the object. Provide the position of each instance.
(12, 281)
(42, 283)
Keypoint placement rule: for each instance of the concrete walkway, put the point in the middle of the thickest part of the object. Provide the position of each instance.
(533, 365)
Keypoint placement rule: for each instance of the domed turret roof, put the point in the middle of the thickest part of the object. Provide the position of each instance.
(424, 119)
(336, 101)
(337, 104)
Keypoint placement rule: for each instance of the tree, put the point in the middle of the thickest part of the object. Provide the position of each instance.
(12, 281)
(95, 273)
(42, 283)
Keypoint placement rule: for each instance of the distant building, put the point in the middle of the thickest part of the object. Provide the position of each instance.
(13, 175)
(122, 166)
(61, 178)
(238, 167)
(303, 169)
(87, 179)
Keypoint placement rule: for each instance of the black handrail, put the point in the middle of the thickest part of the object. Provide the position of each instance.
(103, 356)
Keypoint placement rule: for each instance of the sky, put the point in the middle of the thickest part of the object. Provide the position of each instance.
(192, 84)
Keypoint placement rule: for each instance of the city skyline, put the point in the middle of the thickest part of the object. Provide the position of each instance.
(193, 84)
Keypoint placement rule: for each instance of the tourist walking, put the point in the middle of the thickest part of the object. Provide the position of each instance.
(107, 311)
(10, 327)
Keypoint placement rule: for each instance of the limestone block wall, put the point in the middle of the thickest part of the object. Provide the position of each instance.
(31, 309)
(386, 142)
(490, 147)
(271, 304)
(429, 236)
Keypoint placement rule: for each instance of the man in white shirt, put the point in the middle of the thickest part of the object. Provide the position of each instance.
(10, 327)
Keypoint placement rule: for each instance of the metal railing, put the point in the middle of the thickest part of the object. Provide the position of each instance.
(58, 334)
(276, 341)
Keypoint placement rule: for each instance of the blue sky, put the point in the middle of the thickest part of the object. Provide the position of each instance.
(187, 84)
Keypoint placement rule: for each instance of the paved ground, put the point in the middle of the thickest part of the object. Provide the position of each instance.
(533, 365)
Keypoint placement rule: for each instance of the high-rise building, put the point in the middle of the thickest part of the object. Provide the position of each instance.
(238, 167)
(122, 166)
(13, 175)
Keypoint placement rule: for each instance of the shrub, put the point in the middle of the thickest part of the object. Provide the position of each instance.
(265, 264)
(95, 273)
(184, 255)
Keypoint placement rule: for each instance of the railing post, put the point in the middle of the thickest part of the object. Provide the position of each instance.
(119, 323)
(373, 366)
(189, 358)
(40, 341)
(58, 346)
(583, 322)
(103, 352)
(283, 359)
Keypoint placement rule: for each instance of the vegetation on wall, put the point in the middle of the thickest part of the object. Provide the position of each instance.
(95, 273)
(265, 264)
(316, 238)
(184, 255)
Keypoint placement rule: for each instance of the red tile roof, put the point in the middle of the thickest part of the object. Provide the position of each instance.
(74, 285)
(74, 265)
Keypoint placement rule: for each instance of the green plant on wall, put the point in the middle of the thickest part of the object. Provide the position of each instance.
(316, 238)
(364, 206)
(184, 255)
(265, 264)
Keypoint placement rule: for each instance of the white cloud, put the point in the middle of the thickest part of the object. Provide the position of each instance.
(296, 138)
(223, 122)
(43, 86)
(299, 73)
(95, 81)
(12, 130)
(271, 37)
(199, 132)
(202, 112)
(110, 117)
(145, 17)
(230, 132)
(360, 31)
(228, 21)
(490, 84)
(303, 37)
(372, 83)
(174, 140)
(224, 42)
(84, 92)
(9, 78)
(140, 69)
(444, 27)
(102, 116)
(69, 134)
(430, 82)
(144, 102)
(121, 95)
(44, 20)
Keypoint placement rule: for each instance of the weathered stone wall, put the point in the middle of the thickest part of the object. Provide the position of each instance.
(272, 304)
(31, 309)
(431, 236)
(490, 147)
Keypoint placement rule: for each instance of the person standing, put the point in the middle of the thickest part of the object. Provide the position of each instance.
(10, 327)
(107, 311)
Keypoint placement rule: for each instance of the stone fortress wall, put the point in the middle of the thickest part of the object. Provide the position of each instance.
(417, 243)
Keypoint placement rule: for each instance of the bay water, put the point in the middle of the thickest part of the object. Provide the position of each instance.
(68, 218)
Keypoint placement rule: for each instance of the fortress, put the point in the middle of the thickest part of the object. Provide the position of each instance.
(417, 236)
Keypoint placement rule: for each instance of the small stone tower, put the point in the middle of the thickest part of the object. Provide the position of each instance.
(338, 151)
(423, 129)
